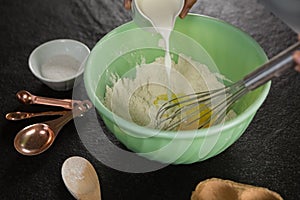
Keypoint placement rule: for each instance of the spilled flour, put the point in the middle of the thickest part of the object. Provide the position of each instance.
(138, 99)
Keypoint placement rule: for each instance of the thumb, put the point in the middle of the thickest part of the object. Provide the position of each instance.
(187, 6)
(127, 4)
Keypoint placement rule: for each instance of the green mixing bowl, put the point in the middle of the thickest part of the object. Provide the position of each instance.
(233, 52)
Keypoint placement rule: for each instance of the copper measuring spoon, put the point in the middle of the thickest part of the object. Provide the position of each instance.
(14, 116)
(26, 97)
(37, 138)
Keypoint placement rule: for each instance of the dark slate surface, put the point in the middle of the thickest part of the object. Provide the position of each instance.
(266, 155)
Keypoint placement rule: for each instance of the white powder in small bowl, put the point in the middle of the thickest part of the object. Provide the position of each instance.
(60, 67)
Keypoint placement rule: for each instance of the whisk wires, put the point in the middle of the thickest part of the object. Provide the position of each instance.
(199, 110)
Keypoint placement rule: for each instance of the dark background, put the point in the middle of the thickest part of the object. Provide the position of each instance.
(266, 155)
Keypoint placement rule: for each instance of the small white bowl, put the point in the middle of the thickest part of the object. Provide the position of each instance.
(58, 63)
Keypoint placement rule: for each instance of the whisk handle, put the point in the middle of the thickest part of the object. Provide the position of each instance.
(273, 68)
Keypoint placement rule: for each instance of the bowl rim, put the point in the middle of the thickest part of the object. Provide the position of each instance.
(187, 134)
(36, 49)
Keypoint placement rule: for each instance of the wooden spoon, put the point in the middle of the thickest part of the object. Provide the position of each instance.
(81, 178)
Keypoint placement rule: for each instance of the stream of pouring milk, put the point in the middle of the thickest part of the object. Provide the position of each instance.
(162, 14)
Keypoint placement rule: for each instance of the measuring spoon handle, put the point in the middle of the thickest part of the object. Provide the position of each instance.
(15, 116)
(78, 110)
(65, 103)
(27, 98)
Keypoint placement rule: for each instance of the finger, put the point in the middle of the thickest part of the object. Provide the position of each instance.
(127, 4)
(296, 57)
(187, 6)
(184, 13)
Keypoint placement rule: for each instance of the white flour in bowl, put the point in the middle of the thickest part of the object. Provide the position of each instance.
(138, 99)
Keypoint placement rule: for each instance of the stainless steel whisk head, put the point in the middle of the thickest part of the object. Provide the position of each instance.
(204, 109)
(199, 110)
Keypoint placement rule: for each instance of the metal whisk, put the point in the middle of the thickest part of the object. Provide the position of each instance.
(208, 108)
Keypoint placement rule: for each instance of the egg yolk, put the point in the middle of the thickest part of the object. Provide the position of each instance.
(192, 116)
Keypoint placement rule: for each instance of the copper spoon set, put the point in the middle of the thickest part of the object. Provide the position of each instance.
(37, 138)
